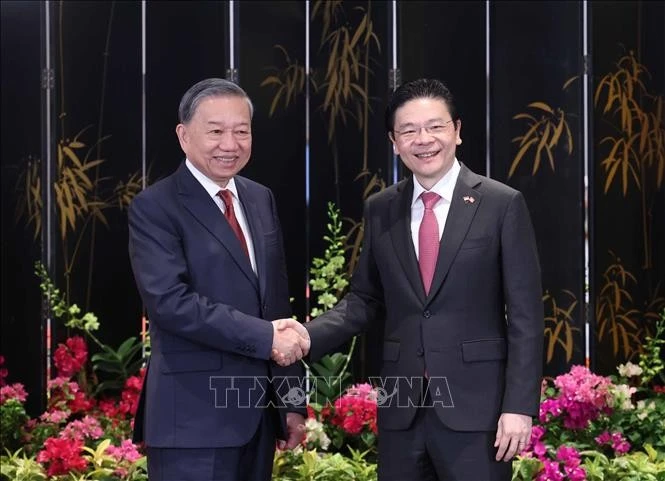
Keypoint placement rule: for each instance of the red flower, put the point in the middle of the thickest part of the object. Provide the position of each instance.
(109, 408)
(80, 403)
(659, 389)
(62, 456)
(356, 410)
(70, 357)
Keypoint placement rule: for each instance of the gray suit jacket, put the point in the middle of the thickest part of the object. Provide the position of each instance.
(478, 334)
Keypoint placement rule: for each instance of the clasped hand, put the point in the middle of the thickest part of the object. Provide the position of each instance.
(290, 341)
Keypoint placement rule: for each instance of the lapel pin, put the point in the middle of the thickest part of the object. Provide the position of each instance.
(468, 199)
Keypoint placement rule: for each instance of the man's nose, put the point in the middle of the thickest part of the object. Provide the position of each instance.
(227, 141)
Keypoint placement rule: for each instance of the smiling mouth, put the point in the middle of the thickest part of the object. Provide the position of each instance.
(427, 155)
(225, 160)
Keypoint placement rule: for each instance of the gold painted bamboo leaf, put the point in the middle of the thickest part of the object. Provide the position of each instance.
(625, 339)
(627, 320)
(524, 116)
(568, 82)
(359, 90)
(520, 154)
(569, 136)
(558, 130)
(532, 131)
(550, 157)
(599, 89)
(359, 32)
(69, 153)
(83, 178)
(644, 132)
(626, 124)
(271, 79)
(541, 144)
(275, 100)
(374, 37)
(91, 164)
(569, 342)
(555, 335)
(542, 106)
(335, 35)
(610, 175)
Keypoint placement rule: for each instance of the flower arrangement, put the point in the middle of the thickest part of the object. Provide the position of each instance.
(84, 434)
(593, 427)
(78, 436)
(350, 421)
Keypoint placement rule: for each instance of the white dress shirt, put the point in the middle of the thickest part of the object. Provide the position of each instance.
(444, 188)
(212, 189)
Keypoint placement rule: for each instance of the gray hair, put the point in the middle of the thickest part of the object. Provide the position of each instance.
(211, 87)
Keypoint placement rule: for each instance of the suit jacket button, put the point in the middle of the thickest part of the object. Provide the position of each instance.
(427, 314)
(420, 352)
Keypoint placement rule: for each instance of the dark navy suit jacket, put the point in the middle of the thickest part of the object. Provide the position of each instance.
(207, 381)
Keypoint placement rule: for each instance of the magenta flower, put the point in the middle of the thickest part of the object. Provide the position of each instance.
(550, 472)
(13, 391)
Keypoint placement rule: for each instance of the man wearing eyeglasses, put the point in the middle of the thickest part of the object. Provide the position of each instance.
(449, 264)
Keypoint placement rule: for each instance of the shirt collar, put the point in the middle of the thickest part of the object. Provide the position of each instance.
(444, 187)
(211, 187)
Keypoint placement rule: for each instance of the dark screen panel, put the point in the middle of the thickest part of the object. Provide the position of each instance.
(446, 40)
(535, 49)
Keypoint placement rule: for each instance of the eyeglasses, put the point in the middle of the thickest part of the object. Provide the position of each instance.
(410, 133)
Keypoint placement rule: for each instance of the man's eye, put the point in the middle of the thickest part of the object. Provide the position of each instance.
(435, 129)
(408, 132)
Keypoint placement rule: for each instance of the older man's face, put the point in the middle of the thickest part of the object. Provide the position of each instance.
(218, 138)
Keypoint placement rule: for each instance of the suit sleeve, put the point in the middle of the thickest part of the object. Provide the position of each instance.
(525, 316)
(161, 273)
(286, 378)
(357, 309)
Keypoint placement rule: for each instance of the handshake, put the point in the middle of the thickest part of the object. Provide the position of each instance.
(290, 341)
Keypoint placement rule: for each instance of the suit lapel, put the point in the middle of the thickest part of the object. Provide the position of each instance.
(459, 219)
(253, 218)
(400, 233)
(197, 201)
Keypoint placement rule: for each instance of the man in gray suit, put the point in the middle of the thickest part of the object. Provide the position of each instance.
(450, 258)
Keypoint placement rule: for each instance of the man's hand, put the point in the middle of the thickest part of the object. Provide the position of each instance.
(295, 423)
(512, 435)
(290, 341)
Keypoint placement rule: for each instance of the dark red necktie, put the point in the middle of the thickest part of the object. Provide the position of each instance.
(227, 198)
(428, 240)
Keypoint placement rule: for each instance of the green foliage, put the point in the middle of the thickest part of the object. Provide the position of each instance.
(331, 368)
(70, 314)
(525, 468)
(12, 417)
(19, 467)
(329, 279)
(638, 466)
(651, 361)
(304, 465)
(116, 365)
(121, 363)
(328, 276)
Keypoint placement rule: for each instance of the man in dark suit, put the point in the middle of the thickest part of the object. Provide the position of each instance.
(449, 261)
(207, 253)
